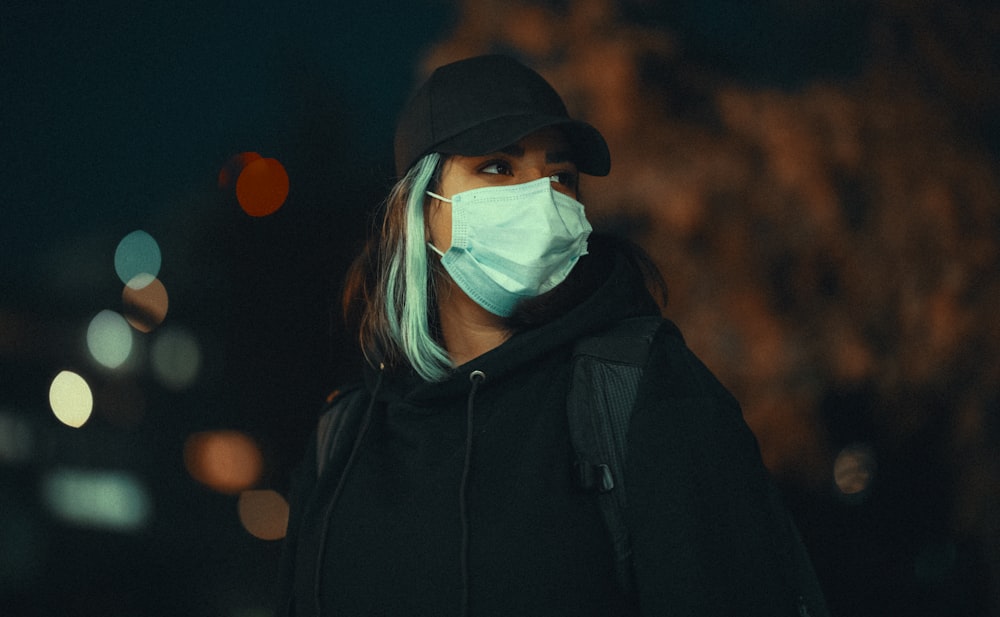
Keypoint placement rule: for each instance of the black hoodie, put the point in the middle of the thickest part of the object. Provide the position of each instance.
(436, 520)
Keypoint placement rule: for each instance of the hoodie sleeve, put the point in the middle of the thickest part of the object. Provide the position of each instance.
(704, 532)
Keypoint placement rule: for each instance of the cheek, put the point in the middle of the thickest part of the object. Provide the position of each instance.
(439, 225)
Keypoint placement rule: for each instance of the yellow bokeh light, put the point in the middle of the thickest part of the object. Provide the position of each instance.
(226, 461)
(263, 513)
(71, 399)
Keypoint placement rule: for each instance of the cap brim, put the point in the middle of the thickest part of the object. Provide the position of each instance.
(590, 151)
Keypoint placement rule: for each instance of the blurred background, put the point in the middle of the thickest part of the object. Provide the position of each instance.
(183, 187)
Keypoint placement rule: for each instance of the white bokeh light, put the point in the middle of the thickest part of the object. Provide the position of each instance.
(109, 339)
(113, 500)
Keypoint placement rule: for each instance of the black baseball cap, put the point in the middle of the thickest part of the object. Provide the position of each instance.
(482, 104)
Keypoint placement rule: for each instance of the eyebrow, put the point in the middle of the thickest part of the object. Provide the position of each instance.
(552, 156)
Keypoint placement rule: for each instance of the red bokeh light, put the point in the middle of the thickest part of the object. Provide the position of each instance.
(262, 187)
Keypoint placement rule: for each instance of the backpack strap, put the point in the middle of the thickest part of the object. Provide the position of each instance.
(606, 369)
(338, 426)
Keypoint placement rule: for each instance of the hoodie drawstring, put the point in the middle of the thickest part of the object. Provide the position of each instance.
(477, 378)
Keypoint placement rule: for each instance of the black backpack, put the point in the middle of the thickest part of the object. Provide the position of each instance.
(606, 371)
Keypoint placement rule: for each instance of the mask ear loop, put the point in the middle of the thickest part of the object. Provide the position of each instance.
(427, 231)
(438, 197)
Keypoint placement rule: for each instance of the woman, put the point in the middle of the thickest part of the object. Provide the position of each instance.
(457, 496)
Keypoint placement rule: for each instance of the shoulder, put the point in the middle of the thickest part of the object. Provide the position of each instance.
(687, 421)
(339, 414)
(678, 371)
(682, 409)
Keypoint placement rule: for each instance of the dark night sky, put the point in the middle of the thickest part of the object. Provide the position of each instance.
(112, 110)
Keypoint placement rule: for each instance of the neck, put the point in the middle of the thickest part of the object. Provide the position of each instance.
(468, 329)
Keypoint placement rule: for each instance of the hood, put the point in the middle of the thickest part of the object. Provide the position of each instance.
(618, 291)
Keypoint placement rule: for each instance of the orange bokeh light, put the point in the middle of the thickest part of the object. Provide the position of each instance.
(145, 308)
(226, 461)
(264, 514)
(262, 187)
(234, 166)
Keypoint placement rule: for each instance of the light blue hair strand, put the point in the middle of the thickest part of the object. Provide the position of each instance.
(407, 283)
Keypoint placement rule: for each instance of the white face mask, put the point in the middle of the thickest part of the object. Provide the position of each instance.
(513, 242)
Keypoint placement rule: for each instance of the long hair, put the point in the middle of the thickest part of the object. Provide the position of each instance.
(389, 289)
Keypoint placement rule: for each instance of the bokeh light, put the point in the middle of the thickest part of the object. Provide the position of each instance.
(176, 358)
(137, 253)
(109, 339)
(17, 440)
(234, 166)
(226, 461)
(144, 302)
(71, 399)
(263, 513)
(854, 471)
(262, 187)
(113, 500)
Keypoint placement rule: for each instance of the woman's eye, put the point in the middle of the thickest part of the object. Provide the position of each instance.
(566, 178)
(497, 167)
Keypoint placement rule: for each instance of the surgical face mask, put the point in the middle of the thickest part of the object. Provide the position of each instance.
(513, 242)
